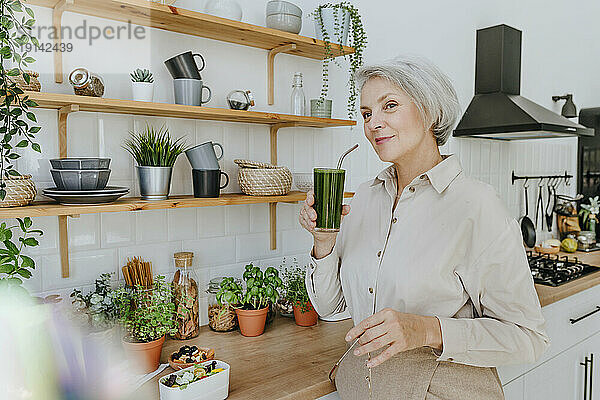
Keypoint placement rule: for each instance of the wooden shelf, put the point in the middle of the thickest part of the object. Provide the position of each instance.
(174, 19)
(99, 104)
(44, 209)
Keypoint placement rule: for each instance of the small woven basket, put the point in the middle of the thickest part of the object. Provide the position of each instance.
(262, 179)
(33, 85)
(20, 191)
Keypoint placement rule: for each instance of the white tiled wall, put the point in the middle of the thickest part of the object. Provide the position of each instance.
(224, 239)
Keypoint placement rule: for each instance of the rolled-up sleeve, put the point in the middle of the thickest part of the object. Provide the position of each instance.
(323, 284)
(511, 329)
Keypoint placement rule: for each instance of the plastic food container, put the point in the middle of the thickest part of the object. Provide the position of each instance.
(214, 387)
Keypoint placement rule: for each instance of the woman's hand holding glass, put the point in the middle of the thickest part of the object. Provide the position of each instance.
(323, 241)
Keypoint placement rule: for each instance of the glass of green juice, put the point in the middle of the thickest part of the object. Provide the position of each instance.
(329, 194)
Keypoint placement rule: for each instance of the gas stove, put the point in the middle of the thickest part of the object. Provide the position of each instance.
(555, 270)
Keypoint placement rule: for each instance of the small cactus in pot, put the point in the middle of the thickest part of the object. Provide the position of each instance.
(142, 85)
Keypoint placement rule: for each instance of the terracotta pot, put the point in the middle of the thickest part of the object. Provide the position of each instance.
(308, 318)
(252, 322)
(147, 355)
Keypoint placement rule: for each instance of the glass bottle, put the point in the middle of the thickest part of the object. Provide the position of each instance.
(221, 317)
(298, 98)
(185, 296)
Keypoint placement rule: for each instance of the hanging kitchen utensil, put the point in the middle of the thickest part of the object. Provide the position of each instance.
(539, 206)
(549, 216)
(527, 228)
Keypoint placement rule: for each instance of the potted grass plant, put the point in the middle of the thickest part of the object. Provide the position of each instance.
(155, 153)
(252, 303)
(142, 85)
(148, 315)
(296, 293)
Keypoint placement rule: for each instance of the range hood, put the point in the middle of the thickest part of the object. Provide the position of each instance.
(497, 110)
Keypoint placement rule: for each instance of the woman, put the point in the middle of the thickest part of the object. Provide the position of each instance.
(429, 263)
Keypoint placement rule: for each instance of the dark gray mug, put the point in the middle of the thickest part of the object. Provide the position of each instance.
(203, 156)
(207, 182)
(184, 66)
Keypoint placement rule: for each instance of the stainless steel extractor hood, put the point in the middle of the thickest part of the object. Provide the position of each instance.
(497, 110)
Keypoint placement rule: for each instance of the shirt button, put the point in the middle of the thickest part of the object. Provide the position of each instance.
(423, 177)
(394, 220)
(450, 359)
(371, 290)
(379, 253)
(411, 189)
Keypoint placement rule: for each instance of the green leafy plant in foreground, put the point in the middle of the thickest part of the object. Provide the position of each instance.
(295, 287)
(14, 265)
(16, 24)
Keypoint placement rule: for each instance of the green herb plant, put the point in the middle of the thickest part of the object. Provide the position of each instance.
(358, 40)
(16, 24)
(262, 289)
(99, 305)
(295, 288)
(14, 265)
(147, 313)
(154, 148)
(142, 75)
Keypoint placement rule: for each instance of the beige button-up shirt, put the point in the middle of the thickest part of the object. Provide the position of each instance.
(451, 250)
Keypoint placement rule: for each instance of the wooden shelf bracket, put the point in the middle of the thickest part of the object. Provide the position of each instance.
(63, 235)
(57, 12)
(270, 73)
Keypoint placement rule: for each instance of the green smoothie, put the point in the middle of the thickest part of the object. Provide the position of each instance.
(329, 194)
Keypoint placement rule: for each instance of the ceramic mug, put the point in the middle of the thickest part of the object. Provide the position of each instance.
(189, 92)
(184, 66)
(207, 182)
(203, 156)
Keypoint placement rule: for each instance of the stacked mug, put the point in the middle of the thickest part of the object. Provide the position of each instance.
(206, 173)
(187, 81)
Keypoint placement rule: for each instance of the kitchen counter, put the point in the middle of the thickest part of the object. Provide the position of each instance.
(286, 362)
(291, 362)
(549, 294)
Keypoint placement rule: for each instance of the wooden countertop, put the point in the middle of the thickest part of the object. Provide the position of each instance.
(549, 294)
(286, 362)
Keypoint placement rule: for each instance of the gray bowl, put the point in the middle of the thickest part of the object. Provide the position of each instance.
(80, 163)
(285, 22)
(88, 179)
(283, 7)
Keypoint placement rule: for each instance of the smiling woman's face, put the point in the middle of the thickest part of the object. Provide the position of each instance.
(392, 122)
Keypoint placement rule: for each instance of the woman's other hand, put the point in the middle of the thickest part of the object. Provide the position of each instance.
(323, 241)
(397, 331)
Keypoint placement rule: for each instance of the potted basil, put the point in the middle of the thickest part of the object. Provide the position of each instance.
(155, 153)
(252, 303)
(147, 314)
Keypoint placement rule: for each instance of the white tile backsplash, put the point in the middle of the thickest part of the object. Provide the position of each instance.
(84, 232)
(183, 224)
(151, 226)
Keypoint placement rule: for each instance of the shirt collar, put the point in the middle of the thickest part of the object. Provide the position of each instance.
(440, 176)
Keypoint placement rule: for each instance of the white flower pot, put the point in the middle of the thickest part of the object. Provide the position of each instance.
(329, 17)
(142, 91)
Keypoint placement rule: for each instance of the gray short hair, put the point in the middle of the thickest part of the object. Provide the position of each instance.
(428, 87)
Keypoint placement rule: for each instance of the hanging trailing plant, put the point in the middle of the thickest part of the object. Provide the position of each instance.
(358, 40)
(16, 24)
(14, 265)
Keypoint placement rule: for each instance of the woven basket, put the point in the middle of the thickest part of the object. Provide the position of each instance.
(34, 83)
(20, 191)
(261, 179)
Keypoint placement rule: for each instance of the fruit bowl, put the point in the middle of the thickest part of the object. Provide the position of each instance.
(181, 359)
